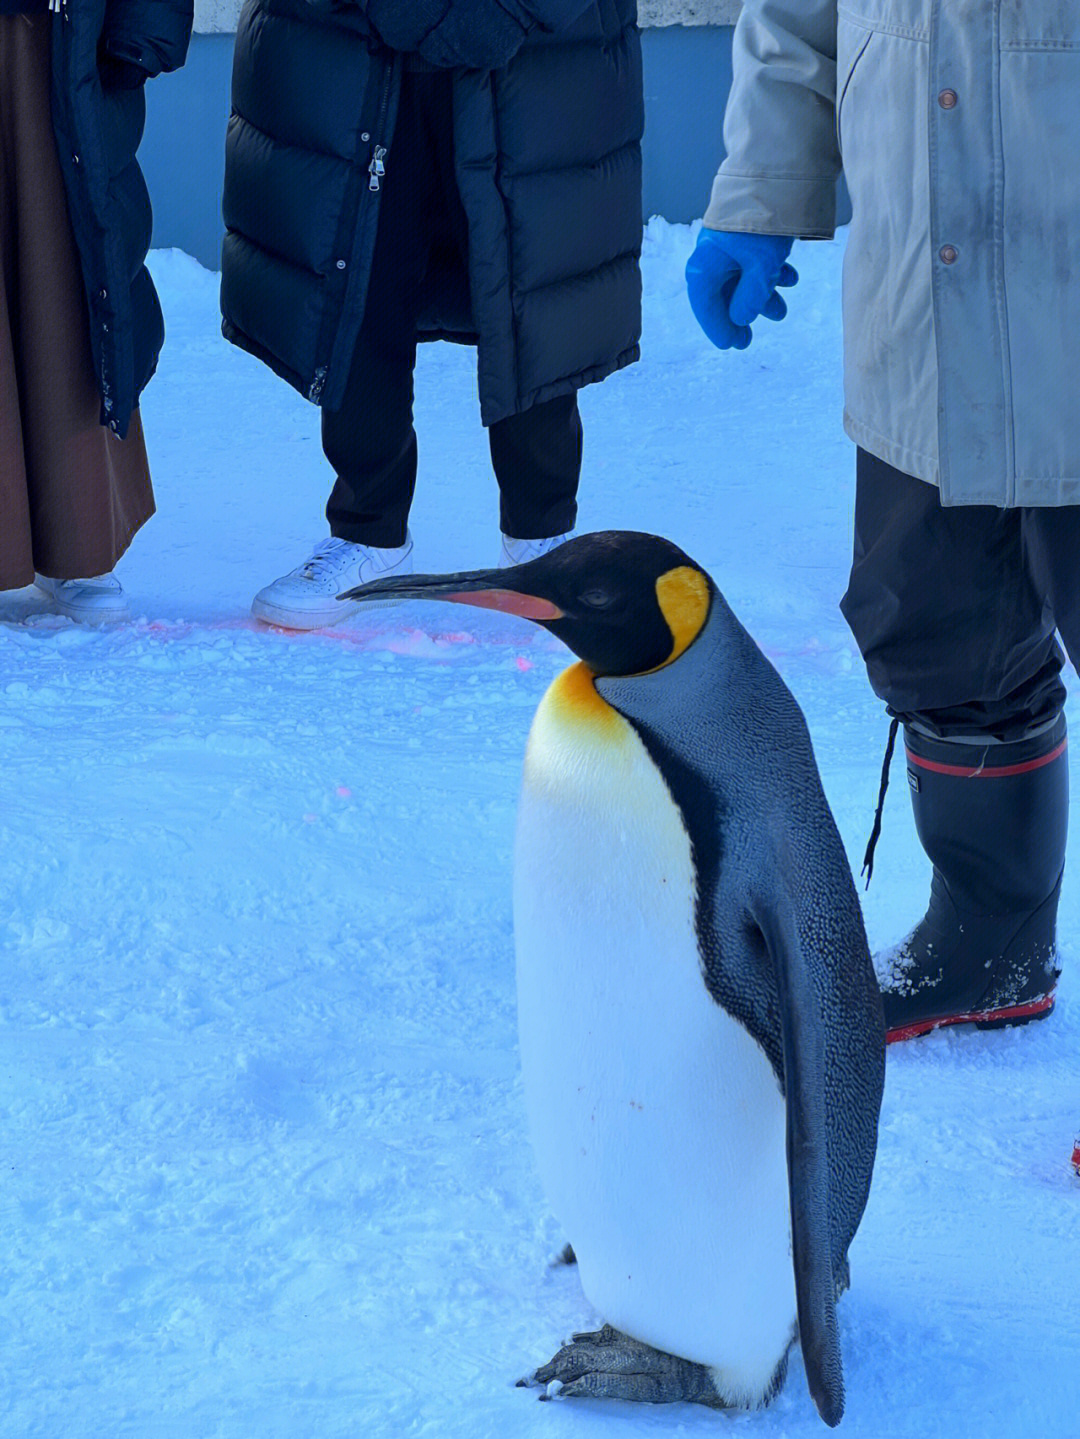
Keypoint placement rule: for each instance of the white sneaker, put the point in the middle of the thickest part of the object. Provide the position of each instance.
(519, 552)
(306, 598)
(95, 601)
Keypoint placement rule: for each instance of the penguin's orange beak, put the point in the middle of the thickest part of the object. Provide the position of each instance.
(530, 607)
(487, 589)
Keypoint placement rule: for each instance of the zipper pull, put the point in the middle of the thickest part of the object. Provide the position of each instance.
(377, 169)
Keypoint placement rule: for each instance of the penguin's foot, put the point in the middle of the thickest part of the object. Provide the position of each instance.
(611, 1365)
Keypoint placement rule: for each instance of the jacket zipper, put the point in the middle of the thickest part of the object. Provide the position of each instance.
(377, 167)
(376, 170)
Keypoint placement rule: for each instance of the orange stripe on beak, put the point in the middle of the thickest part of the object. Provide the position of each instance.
(507, 602)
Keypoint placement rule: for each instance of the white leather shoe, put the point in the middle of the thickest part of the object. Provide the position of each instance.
(306, 598)
(97, 600)
(519, 552)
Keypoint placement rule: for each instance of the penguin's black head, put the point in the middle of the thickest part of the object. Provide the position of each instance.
(624, 602)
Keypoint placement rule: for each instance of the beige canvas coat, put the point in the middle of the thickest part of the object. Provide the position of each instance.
(958, 122)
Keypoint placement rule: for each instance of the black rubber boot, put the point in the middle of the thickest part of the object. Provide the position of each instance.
(993, 820)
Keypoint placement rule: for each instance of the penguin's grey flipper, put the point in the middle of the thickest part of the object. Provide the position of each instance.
(803, 1048)
(611, 1365)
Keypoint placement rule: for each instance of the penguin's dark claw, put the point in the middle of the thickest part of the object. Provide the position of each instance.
(843, 1277)
(610, 1365)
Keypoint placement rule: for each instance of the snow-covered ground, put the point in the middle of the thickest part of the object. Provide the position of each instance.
(265, 1171)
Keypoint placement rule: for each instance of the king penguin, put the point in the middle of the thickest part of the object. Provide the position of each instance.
(701, 1032)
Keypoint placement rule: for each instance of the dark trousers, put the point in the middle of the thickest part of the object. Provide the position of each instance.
(370, 441)
(955, 609)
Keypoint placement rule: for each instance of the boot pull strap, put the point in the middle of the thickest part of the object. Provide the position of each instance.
(868, 857)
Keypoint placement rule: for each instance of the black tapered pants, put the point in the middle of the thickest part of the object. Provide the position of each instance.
(370, 440)
(956, 609)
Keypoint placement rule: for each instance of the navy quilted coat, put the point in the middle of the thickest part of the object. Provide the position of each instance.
(548, 116)
(98, 130)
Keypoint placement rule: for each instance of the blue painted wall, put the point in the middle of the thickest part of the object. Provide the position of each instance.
(183, 150)
(687, 72)
(687, 76)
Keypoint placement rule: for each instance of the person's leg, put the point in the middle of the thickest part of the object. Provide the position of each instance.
(370, 440)
(1052, 548)
(958, 637)
(955, 629)
(537, 461)
(536, 455)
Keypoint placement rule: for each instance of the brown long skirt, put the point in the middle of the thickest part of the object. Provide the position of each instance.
(71, 494)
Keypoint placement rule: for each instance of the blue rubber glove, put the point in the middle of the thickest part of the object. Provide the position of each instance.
(732, 278)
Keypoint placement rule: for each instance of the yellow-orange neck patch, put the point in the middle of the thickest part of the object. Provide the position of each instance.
(574, 697)
(683, 597)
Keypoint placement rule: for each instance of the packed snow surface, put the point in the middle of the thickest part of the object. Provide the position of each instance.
(266, 1173)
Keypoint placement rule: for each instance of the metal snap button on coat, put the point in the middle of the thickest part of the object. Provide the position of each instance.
(948, 254)
(947, 99)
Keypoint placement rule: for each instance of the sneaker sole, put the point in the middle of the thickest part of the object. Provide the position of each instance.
(90, 617)
(982, 1019)
(96, 617)
(85, 616)
(293, 620)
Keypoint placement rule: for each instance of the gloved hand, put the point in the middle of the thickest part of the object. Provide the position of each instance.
(732, 278)
(480, 35)
(117, 74)
(475, 34)
(401, 27)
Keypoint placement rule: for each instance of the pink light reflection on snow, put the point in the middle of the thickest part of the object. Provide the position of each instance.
(409, 641)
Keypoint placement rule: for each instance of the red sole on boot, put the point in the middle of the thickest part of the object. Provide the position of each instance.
(986, 1019)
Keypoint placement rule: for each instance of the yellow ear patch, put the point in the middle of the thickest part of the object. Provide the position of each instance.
(683, 597)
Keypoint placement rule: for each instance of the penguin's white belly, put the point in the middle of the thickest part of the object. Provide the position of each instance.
(657, 1120)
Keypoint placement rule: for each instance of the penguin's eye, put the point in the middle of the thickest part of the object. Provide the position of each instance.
(596, 599)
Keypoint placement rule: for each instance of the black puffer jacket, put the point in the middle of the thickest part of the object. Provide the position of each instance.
(548, 116)
(98, 114)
